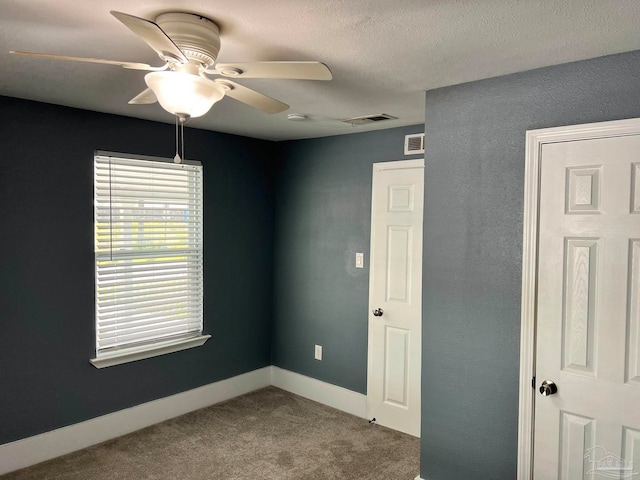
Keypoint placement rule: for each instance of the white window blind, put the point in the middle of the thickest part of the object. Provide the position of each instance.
(148, 251)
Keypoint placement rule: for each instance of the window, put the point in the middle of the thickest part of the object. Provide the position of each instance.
(148, 252)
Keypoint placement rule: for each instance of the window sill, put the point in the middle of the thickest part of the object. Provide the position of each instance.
(140, 353)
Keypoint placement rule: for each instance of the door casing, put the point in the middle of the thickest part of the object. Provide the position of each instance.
(534, 141)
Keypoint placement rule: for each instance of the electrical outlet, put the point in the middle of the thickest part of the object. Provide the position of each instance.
(359, 260)
(318, 355)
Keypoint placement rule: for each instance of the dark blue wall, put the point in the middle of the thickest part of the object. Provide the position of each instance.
(474, 189)
(323, 217)
(47, 265)
(47, 261)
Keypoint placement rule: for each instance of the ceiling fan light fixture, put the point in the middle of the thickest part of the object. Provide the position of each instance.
(183, 94)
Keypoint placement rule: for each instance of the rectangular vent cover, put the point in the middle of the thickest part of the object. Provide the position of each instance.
(414, 144)
(369, 119)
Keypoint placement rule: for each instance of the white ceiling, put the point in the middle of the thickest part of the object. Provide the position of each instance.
(383, 53)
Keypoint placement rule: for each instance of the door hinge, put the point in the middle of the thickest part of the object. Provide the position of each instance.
(533, 383)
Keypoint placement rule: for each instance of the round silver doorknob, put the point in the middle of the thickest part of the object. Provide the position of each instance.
(548, 388)
(378, 312)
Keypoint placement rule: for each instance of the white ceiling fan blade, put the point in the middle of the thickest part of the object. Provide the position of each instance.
(251, 97)
(153, 35)
(143, 98)
(130, 65)
(286, 70)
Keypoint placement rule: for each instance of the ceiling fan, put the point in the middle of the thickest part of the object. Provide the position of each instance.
(189, 45)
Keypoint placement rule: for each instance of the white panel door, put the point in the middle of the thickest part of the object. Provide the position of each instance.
(395, 296)
(588, 311)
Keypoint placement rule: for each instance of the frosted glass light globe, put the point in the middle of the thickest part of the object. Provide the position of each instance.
(184, 94)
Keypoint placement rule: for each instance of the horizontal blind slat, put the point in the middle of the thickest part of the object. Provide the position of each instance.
(156, 335)
(146, 325)
(176, 307)
(149, 339)
(148, 275)
(112, 285)
(107, 287)
(143, 306)
(114, 325)
(112, 331)
(110, 297)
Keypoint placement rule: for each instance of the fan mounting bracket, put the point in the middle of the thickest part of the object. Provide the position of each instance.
(198, 37)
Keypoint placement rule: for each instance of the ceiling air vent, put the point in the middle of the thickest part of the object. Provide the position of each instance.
(414, 143)
(367, 119)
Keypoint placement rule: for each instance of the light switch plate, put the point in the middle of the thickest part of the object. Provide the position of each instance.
(318, 354)
(359, 260)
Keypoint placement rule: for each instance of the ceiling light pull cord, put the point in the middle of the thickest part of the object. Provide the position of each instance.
(181, 118)
(177, 158)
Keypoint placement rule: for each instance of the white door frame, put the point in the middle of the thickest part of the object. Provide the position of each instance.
(534, 142)
(377, 167)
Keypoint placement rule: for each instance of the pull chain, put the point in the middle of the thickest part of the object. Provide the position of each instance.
(180, 137)
(177, 158)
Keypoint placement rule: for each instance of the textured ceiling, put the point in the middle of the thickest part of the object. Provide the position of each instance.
(383, 54)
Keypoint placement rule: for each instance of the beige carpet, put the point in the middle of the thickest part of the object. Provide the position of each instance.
(267, 434)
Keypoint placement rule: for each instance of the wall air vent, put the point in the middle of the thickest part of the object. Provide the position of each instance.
(367, 119)
(414, 144)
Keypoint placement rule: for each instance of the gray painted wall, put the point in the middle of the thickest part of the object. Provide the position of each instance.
(323, 217)
(474, 187)
(47, 265)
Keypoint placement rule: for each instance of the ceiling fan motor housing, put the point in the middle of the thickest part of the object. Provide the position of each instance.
(197, 36)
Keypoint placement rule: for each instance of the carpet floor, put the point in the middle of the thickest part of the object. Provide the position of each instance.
(268, 434)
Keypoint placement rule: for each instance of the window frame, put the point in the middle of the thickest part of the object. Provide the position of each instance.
(148, 350)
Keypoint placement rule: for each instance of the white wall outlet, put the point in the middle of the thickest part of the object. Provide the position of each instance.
(318, 355)
(359, 260)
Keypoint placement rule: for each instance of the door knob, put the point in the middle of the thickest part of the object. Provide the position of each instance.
(378, 312)
(548, 388)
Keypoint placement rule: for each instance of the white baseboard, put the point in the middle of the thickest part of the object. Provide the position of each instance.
(29, 451)
(418, 478)
(39, 448)
(319, 391)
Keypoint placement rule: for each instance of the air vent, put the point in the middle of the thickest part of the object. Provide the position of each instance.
(369, 119)
(414, 144)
